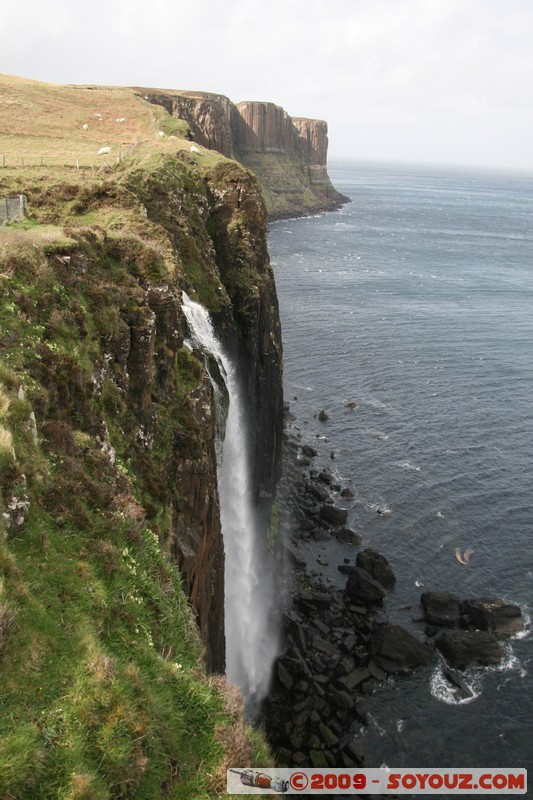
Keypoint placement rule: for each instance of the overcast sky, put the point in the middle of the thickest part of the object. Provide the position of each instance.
(441, 81)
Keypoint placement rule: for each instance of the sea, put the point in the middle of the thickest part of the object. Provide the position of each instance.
(415, 303)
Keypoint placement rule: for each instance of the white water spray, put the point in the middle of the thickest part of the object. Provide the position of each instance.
(251, 641)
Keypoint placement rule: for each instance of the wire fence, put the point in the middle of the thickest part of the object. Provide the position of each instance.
(83, 161)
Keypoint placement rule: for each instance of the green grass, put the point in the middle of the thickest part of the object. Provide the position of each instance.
(103, 691)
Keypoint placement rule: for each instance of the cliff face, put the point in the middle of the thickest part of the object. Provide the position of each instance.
(208, 116)
(111, 553)
(205, 233)
(288, 155)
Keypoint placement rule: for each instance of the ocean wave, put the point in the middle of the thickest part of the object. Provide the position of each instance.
(380, 508)
(408, 465)
(445, 691)
(526, 630)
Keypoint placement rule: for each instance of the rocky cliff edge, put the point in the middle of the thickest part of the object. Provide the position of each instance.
(288, 154)
(111, 554)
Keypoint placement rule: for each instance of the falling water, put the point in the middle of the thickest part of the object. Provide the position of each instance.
(251, 641)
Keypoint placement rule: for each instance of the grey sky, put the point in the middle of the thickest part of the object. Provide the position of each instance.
(443, 81)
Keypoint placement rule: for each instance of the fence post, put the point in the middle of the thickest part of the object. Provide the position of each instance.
(7, 207)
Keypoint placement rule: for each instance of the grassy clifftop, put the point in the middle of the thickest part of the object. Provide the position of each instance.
(103, 690)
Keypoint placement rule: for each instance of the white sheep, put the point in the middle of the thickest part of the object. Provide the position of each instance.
(85, 127)
(194, 149)
(161, 134)
(98, 117)
(121, 119)
(104, 150)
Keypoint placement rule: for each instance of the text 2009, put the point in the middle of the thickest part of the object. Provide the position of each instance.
(330, 780)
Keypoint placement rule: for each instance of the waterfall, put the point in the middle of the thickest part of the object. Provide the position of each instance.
(251, 640)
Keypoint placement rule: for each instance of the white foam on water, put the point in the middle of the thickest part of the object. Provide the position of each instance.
(526, 630)
(408, 465)
(445, 691)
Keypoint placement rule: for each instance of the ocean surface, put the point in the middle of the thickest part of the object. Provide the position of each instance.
(415, 302)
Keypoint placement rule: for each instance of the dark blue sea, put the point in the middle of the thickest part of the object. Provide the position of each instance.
(415, 302)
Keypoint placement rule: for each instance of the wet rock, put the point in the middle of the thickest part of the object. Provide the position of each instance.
(326, 476)
(321, 535)
(320, 492)
(376, 671)
(313, 600)
(308, 451)
(493, 615)
(333, 514)
(362, 588)
(349, 643)
(340, 699)
(321, 626)
(355, 678)
(347, 569)
(348, 536)
(323, 416)
(395, 650)
(347, 494)
(293, 556)
(377, 566)
(463, 648)
(296, 741)
(441, 608)
(350, 406)
(463, 691)
(323, 646)
(284, 676)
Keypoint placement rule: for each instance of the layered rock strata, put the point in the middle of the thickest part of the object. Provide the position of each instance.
(288, 155)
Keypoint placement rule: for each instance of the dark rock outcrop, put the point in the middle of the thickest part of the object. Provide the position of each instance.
(492, 615)
(377, 566)
(395, 650)
(441, 608)
(362, 588)
(333, 514)
(462, 649)
(349, 536)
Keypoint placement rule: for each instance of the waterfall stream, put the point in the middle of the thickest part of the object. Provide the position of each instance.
(251, 641)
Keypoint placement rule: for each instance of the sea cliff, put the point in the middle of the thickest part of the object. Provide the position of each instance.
(111, 552)
(287, 154)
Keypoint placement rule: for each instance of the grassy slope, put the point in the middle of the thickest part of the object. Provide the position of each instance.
(103, 691)
(46, 120)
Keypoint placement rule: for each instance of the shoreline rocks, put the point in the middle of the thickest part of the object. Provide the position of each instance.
(462, 649)
(477, 624)
(337, 644)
